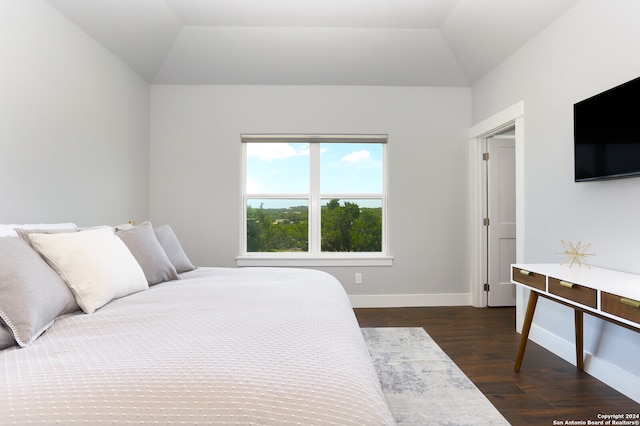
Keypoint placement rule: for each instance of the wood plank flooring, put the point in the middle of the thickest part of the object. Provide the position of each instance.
(483, 343)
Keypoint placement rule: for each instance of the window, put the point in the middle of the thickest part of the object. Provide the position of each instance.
(314, 197)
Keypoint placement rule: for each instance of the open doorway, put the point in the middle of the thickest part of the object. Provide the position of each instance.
(503, 133)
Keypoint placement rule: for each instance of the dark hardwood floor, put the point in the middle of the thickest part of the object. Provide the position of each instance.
(483, 343)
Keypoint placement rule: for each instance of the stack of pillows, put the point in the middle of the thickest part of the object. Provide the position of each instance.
(52, 270)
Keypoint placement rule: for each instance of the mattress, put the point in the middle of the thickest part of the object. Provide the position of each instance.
(254, 346)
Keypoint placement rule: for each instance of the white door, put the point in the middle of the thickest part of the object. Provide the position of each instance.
(501, 212)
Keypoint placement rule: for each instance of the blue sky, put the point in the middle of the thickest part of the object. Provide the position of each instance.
(284, 168)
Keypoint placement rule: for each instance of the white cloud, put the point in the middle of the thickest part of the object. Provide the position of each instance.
(275, 151)
(357, 156)
(252, 186)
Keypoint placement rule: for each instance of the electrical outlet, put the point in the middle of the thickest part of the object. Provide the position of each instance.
(358, 278)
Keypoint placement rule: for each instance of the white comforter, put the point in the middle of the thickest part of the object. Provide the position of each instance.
(221, 346)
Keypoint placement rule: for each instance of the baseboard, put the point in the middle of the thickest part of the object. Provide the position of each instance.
(409, 300)
(599, 368)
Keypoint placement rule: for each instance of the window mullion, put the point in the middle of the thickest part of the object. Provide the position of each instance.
(314, 198)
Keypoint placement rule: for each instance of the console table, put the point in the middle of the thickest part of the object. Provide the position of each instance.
(610, 295)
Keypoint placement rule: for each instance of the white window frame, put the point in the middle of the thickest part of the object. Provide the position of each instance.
(315, 257)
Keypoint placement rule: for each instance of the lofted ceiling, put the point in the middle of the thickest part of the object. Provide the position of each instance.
(313, 42)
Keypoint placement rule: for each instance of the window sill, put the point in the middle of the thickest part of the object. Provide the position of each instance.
(304, 261)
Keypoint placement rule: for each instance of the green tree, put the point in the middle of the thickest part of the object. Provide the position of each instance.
(345, 228)
(272, 230)
(366, 232)
(337, 222)
(258, 229)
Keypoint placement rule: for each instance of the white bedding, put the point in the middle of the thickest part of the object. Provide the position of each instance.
(221, 346)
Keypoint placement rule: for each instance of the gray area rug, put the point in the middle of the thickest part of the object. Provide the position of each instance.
(423, 386)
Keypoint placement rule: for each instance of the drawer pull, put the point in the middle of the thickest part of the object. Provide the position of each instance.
(523, 272)
(630, 302)
(566, 284)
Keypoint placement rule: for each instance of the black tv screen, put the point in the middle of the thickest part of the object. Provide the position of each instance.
(607, 134)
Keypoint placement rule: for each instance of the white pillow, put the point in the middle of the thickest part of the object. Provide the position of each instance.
(9, 230)
(95, 264)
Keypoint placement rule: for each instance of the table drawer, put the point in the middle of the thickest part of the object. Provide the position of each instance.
(529, 278)
(574, 292)
(620, 306)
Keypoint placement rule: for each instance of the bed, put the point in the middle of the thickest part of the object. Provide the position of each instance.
(246, 346)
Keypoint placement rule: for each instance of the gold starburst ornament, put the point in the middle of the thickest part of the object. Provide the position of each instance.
(575, 253)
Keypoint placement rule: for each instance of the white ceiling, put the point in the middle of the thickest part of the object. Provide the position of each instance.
(337, 42)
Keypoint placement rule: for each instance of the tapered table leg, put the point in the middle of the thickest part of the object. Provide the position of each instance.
(526, 327)
(579, 344)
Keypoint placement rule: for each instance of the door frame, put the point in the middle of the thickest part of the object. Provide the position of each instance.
(512, 116)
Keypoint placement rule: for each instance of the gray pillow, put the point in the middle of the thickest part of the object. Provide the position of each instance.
(32, 294)
(143, 244)
(6, 338)
(172, 247)
(24, 232)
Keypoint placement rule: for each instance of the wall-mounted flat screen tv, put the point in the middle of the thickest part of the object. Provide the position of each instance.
(607, 134)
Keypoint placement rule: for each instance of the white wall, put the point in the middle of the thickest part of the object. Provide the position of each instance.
(196, 159)
(591, 48)
(74, 124)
